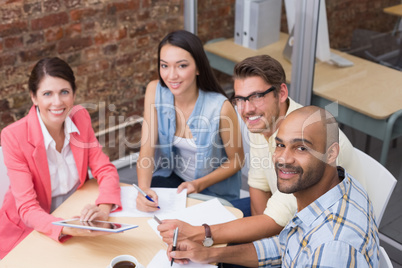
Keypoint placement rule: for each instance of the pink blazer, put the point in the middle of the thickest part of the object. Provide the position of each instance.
(27, 203)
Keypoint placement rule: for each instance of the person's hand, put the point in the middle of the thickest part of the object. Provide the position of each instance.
(186, 251)
(82, 232)
(186, 231)
(143, 204)
(93, 212)
(191, 186)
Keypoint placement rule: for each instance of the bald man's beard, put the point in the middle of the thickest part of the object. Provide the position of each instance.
(306, 177)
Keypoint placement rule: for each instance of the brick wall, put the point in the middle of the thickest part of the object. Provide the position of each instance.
(112, 45)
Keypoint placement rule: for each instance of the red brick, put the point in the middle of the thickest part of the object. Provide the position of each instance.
(12, 1)
(122, 6)
(73, 30)
(138, 30)
(125, 60)
(37, 53)
(146, 3)
(4, 105)
(73, 44)
(143, 41)
(143, 16)
(34, 38)
(13, 28)
(7, 59)
(152, 27)
(88, 26)
(6, 119)
(13, 42)
(111, 36)
(49, 21)
(54, 34)
(93, 67)
(110, 49)
(81, 14)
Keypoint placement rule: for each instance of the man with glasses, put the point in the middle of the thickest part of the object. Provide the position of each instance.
(261, 99)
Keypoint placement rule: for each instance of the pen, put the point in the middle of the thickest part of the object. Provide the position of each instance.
(176, 231)
(143, 193)
(157, 220)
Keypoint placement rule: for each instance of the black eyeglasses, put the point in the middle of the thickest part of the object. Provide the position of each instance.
(256, 98)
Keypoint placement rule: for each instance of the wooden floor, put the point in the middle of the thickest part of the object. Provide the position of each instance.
(391, 225)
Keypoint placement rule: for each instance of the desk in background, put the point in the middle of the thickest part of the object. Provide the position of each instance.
(397, 11)
(369, 95)
(38, 250)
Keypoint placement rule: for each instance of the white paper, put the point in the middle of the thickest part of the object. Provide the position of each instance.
(210, 212)
(161, 261)
(168, 199)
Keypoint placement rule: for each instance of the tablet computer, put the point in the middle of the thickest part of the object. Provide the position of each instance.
(95, 225)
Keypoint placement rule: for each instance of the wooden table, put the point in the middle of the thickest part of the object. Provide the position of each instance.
(369, 95)
(397, 11)
(38, 250)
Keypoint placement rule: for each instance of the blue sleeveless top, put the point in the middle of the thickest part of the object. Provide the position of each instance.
(204, 125)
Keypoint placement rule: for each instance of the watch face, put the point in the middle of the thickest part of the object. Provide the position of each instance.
(208, 242)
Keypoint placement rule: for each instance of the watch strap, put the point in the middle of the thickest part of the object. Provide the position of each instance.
(207, 230)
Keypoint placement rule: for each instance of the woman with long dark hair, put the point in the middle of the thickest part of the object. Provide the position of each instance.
(190, 136)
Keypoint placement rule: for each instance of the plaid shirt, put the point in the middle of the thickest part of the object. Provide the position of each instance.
(336, 230)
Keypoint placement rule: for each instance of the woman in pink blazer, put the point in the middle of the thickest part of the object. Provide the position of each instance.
(47, 154)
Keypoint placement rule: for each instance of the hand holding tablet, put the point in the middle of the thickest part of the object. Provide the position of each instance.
(95, 225)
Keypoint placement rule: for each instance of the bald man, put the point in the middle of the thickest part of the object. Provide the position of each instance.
(334, 225)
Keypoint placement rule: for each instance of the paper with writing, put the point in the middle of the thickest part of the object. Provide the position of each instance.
(210, 212)
(168, 200)
(161, 260)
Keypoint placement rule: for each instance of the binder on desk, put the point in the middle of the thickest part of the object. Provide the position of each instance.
(246, 22)
(257, 22)
(239, 8)
(265, 19)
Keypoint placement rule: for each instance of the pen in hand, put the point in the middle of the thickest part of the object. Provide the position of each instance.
(175, 234)
(143, 193)
(157, 220)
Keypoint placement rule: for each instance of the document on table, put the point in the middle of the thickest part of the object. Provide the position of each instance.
(161, 261)
(210, 212)
(169, 201)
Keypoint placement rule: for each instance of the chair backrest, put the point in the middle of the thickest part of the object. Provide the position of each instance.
(4, 181)
(384, 262)
(380, 183)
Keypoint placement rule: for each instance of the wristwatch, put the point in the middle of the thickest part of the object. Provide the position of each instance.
(208, 241)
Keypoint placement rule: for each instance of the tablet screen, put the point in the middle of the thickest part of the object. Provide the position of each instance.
(96, 225)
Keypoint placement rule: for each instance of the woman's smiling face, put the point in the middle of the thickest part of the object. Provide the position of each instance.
(54, 98)
(178, 69)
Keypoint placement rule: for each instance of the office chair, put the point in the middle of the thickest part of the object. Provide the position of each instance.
(385, 261)
(380, 183)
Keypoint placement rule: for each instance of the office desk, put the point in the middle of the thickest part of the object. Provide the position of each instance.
(369, 95)
(397, 11)
(38, 250)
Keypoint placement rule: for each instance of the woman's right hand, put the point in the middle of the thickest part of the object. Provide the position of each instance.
(143, 204)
